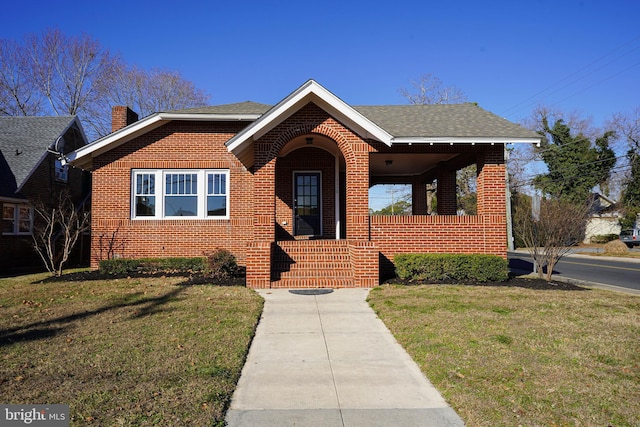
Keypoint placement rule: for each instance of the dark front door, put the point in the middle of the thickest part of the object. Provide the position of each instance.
(306, 204)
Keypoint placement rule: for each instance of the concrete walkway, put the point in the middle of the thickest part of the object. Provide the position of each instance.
(327, 360)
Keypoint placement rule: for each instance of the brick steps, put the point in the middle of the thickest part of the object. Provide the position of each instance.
(311, 264)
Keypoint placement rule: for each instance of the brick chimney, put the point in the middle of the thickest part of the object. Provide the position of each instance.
(122, 116)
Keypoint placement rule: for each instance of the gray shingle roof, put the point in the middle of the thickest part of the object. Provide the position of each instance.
(247, 107)
(23, 143)
(448, 120)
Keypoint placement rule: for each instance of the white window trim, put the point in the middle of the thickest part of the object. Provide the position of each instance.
(16, 220)
(160, 193)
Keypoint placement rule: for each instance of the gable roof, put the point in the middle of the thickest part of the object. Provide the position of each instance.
(244, 111)
(23, 146)
(309, 92)
(451, 123)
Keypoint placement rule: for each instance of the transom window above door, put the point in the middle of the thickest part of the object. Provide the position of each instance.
(180, 194)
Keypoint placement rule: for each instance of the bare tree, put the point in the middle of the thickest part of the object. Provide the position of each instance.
(627, 126)
(18, 94)
(56, 230)
(549, 231)
(145, 92)
(51, 73)
(69, 71)
(429, 89)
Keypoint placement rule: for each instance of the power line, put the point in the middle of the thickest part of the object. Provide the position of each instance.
(512, 110)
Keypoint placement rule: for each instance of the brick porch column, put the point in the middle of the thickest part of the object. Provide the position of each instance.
(358, 193)
(259, 249)
(491, 182)
(419, 198)
(446, 192)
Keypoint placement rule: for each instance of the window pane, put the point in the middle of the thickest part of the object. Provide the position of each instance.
(60, 171)
(181, 183)
(216, 206)
(151, 184)
(24, 226)
(7, 212)
(181, 206)
(8, 223)
(145, 206)
(216, 183)
(145, 183)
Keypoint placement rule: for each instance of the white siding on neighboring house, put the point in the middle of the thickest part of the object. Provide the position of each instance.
(599, 225)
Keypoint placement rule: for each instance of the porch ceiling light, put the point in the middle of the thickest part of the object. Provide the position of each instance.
(309, 140)
(388, 162)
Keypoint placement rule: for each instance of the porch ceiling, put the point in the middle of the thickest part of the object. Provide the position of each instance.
(406, 164)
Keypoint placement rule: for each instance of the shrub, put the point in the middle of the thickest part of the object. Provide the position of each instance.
(153, 265)
(221, 264)
(604, 238)
(616, 247)
(440, 267)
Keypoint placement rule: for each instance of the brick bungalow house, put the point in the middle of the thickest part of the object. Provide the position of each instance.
(31, 173)
(285, 187)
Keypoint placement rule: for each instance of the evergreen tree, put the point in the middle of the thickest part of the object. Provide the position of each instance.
(575, 164)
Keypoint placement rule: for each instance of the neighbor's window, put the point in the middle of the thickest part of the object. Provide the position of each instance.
(17, 219)
(61, 171)
(183, 193)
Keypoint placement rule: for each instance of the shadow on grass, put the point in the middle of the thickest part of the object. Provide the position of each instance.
(144, 307)
(190, 278)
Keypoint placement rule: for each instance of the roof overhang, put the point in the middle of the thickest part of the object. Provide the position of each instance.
(313, 92)
(83, 157)
(464, 140)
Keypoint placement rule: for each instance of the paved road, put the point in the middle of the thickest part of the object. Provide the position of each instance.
(624, 274)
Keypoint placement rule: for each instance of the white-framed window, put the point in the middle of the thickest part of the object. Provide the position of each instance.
(61, 171)
(17, 219)
(180, 193)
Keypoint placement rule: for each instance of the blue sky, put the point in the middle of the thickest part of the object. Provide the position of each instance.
(508, 56)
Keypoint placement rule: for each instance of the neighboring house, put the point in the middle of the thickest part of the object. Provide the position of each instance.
(604, 219)
(30, 173)
(285, 187)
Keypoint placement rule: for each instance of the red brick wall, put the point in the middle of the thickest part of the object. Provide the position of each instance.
(184, 145)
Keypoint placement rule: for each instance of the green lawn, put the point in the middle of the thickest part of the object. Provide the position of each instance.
(132, 351)
(507, 356)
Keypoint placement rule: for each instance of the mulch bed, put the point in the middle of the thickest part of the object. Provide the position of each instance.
(520, 282)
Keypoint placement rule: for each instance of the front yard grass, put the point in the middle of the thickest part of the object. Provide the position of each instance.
(129, 351)
(508, 356)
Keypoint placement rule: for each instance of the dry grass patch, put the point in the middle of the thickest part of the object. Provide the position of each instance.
(131, 351)
(506, 356)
